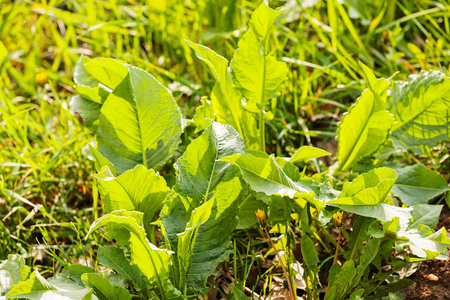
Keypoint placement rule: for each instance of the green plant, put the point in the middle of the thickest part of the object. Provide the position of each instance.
(222, 180)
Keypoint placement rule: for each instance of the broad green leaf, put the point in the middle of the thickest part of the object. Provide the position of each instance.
(421, 109)
(370, 188)
(95, 78)
(88, 110)
(37, 288)
(103, 289)
(377, 85)
(363, 129)
(137, 189)
(100, 71)
(418, 185)
(426, 214)
(267, 176)
(114, 258)
(425, 243)
(101, 161)
(204, 115)
(225, 98)
(382, 212)
(140, 123)
(309, 253)
(342, 280)
(153, 262)
(258, 75)
(73, 273)
(12, 271)
(279, 210)
(307, 152)
(247, 211)
(203, 180)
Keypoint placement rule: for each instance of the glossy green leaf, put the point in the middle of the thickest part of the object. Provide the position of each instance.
(101, 161)
(137, 189)
(115, 259)
(370, 188)
(140, 123)
(426, 214)
(363, 129)
(418, 185)
(421, 109)
(377, 85)
(307, 152)
(103, 289)
(226, 99)
(12, 271)
(267, 176)
(247, 210)
(426, 243)
(309, 253)
(96, 78)
(204, 115)
(203, 206)
(258, 75)
(153, 262)
(37, 288)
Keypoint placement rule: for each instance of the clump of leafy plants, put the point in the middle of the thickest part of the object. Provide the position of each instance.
(358, 224)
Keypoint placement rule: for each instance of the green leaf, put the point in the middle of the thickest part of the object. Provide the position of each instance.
(267, 176)
(12, 271)
(258, 75)
(363, 129)
(204, 115)
(247, 210)
(74, 272)
(377, 85)
(426, 214)
(137, 189)
(101, 161)
(421, 109)
(96, 78)
(103, 289)
(99, 71)
(37, 287)
(226, 99)
(140, 123)
(370, 188)
(115, 259)
(307, 152)
(343, 279)
(279, 210)
(203, 180)
(153, 262)
(425, 243)
(418, 185)
(309, 253)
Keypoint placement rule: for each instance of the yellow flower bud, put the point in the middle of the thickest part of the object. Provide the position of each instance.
(41, 77)
(261, 216)
(337, 217)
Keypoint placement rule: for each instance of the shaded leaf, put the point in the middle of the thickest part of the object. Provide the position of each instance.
(103, 289)
(418, 185)
(421, 109)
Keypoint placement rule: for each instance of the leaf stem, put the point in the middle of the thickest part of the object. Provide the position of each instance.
(262, 132)
(288, 279)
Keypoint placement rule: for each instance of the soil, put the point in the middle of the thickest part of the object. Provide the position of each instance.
(424, 286)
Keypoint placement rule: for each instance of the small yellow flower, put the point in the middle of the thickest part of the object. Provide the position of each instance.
(261, 215)
(337, 217)
(41, 77)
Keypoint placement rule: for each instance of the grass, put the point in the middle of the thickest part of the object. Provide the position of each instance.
(47, 193)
